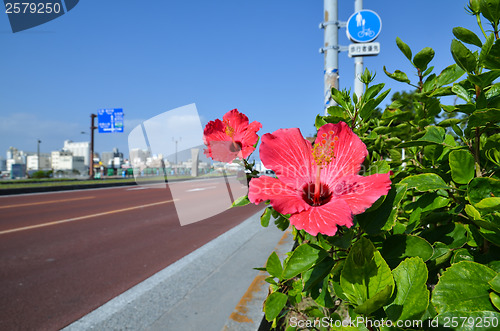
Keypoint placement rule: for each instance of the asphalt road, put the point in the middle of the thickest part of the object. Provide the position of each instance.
(64, 254)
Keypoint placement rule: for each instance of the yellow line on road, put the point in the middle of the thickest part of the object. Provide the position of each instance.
(44, 202)
(82, 217)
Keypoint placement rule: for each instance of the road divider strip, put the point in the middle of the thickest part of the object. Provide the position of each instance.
(30, 227)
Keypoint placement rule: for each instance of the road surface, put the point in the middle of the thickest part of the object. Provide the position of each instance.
(64, 254)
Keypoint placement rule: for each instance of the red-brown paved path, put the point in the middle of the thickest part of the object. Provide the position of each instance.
(108, 241)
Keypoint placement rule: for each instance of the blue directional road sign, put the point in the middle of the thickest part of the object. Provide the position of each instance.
(110, 120)
(363, 26)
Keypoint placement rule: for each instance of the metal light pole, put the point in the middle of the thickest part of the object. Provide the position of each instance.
(358, 60)
(176, 141)
(91, 161)
(38, 154)
(331, 50)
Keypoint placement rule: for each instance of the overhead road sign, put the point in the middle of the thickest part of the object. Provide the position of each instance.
(363, 26)
(364, 49)
(110, 120)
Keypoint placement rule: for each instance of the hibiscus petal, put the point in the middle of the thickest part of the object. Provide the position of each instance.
(323, 219)
(349, 152)
(290, 156)
(236, 120)
(248, 138)
(223, 151)
(361, 192)
(284, 199)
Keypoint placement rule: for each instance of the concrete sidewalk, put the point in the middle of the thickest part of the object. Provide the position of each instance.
(214, 287)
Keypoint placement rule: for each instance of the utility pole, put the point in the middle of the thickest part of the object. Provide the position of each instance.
(91, 161)
(176, 141)
(38, 154)
(331, 50)
(358, 60)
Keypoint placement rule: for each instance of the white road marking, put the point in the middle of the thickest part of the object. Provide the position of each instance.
(82, 217)
(201, 188)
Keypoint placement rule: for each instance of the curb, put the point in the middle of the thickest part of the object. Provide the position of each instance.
(248, 314)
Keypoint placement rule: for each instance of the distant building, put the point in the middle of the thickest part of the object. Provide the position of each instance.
(78, 149)
(32, 162)
(138, 157)
(66, 162)
(15, 156)
(112, 159)
(3, 164)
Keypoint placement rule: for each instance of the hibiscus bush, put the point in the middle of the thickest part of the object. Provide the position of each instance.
(396, 217)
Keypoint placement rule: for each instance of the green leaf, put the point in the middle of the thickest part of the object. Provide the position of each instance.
(342, 240)
(372, 91)
(404, 48)
(454, 235)
(492, 58)
(422, 58)
(463, 287)
(379, 167)
(265, 217)
(319, 122)
(462, 166)
(449, 75)
(481, 188)
(384, 217)
(485, 50)
(488, 205)
(441, 253)
(321, 294)
(490, 10)
(495, 283)
(461, 92)
(303, 258)
(365, 275)
(274, 304)
(342, 99)
(485, 79)
(398, 247)
(433, 135)
(367, 109)
(495, 300)
(467, 321)
(461, 254)
(241, 201)
(493, 236)
(484, 117)
(315, 275)
(467, 36)
(463, 56)
(398, 75)
(338, 112)
(412, 296)
(375, 302)
(425, 182)
(273, 266)
(472, 212)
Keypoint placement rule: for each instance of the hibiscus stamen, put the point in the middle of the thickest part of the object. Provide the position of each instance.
(323, 154)
(323, 151)
(229, 129)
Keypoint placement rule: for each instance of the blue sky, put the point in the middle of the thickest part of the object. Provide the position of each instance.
(148, 57)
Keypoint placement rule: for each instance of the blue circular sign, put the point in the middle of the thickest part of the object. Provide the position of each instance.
(363, 26)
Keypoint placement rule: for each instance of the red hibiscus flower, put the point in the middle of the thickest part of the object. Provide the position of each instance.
(319, 186)
(230, 138)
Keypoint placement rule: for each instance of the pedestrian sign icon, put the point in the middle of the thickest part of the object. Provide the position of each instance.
(363, 26)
